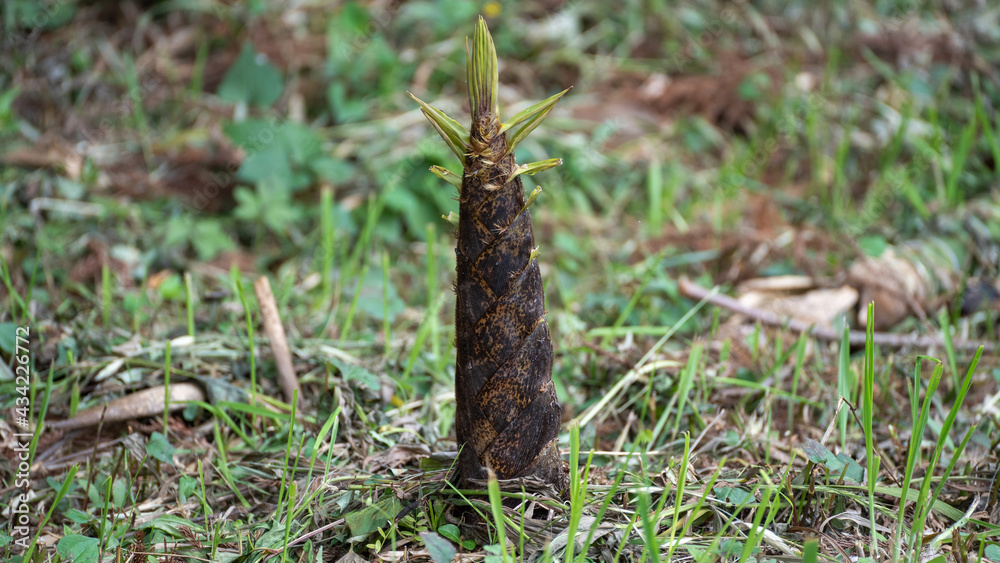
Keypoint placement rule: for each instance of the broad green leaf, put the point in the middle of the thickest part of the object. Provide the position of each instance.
(733, 495)
(171, 288)
(451, 532)
(252, 134)
(271, 163)
(39, 15)
(209, 238)
(816, 452)
(440, 549)
(496, 557)
(78, 516)
(119, 489)
(365, 521)
(268, 203)
(352, 372)
(873, 245)
(302, 143)
(159, 448)
(79, 549)
(252, 80)
(852, 469)
(186, 487)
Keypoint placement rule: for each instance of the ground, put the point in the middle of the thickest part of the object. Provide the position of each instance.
(739, 180)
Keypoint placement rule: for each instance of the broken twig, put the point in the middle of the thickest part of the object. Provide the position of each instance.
(855, 337)
(276, 336)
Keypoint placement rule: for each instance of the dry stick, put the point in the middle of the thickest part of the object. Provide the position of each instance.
(855, 337)
(276, 336)
(148, 402)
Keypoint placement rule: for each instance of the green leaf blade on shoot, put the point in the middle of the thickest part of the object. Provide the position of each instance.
(533, 121)
(531, 199)
(447, 176)
(531, 117)
(453, 133)
(483, 73)
(533, 168)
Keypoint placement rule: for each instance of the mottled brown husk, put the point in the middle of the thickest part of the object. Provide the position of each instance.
(507, 416)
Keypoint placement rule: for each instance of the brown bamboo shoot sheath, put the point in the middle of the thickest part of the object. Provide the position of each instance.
(507, 416)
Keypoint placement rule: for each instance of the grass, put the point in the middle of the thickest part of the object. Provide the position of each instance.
(691, 435)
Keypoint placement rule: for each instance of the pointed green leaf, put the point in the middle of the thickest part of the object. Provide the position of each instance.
(452, 218)
(450, 130)
(533, 196)
(447, 176)
(483, 76)
(528, 113)
(531, 199)
(533, 255)
(532, 168)
(533, 116)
